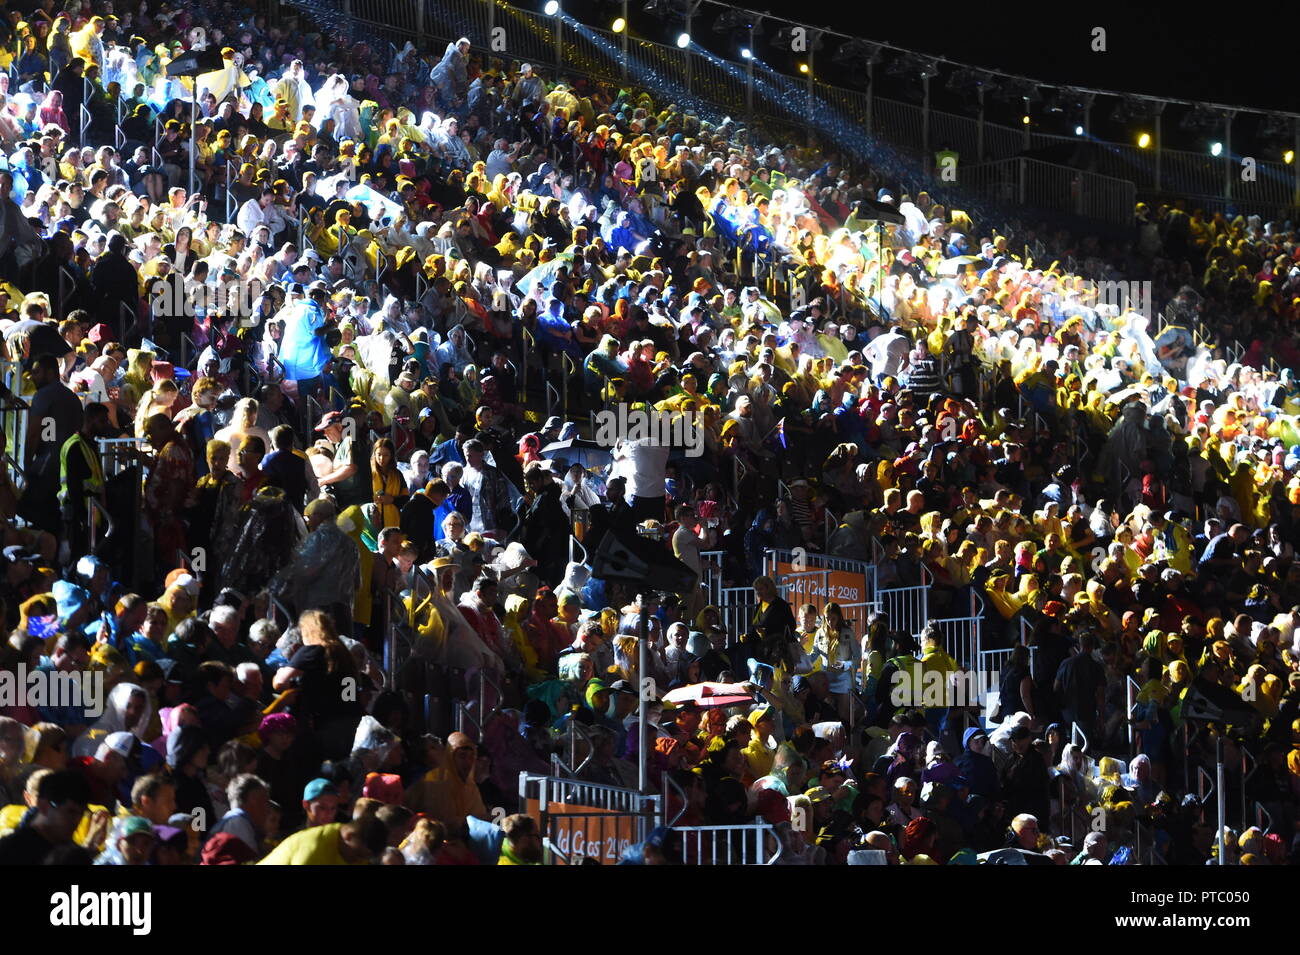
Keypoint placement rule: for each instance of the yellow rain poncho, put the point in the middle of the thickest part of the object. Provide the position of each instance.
(353, 523)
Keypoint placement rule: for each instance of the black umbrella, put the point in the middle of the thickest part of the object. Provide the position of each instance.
(40, 337)
(582, 451)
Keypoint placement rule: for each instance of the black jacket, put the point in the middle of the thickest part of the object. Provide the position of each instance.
(418, 524)
(1026, 786)
(545, 531)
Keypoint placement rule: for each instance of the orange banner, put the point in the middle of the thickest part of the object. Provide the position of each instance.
(838, 586)
(595, 833)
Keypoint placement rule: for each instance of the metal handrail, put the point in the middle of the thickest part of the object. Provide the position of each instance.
(568, 370)
(479, 720)
(1204, 788)
(1078, 737)
(1131, 689)
(573, 541)
(272, 605)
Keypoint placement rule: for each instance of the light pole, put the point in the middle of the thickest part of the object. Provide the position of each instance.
(627, 28)
(643, 632)
(1227, 160)
(690, 11)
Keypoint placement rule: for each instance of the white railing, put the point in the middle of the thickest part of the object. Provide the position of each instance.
(555, 789)
(711, 564)
(755, 843)
(992, 661)
(737, 605)
(962, 635)
(908, 608)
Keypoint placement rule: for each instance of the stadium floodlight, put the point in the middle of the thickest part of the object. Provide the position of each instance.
(619, 25)
(1144, 140)
(683, 40)
(747, 54)
(1216, 149)
(552, 8)
(1078, 130)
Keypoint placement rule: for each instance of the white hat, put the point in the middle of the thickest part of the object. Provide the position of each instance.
(120, 742)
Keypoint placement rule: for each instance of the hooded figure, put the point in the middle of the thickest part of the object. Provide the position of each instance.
(575, 580)
(449, 792)
(977, 768)
(451, 75)
(758, 539)
(128, 709)
(445, 635)
(334, 102)
(1126, 444)
(513, 625)
(325, 572)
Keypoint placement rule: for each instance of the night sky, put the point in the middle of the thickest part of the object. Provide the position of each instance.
(1151, 49)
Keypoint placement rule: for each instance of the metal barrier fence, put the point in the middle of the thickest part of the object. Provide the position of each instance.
(573, 837)
(963, 635)
(813, 588)
(1041, 185)
(711, 578)
(755, 843)
(551, 789)
(737, 605)
(908, 608)
(802, 560)
(575, 816)
(992, 661)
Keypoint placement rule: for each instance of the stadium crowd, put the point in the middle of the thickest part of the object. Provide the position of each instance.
(282, 473)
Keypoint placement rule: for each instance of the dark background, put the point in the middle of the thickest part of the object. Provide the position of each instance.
(1243, 56)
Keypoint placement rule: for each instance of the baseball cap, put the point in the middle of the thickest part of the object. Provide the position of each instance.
(329, 418)
(120, 742)
(317, 788)
(134, 826)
